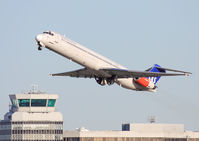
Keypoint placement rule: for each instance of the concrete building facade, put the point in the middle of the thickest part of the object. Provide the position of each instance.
(135, 132)
(32, 117)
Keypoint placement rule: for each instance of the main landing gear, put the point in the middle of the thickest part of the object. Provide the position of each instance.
(103, 81)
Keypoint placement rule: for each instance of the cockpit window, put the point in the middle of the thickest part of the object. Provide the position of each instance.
(48, 32)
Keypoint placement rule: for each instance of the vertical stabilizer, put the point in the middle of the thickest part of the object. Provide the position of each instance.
(155, 68)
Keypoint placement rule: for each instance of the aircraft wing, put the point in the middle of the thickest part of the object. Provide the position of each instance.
(122, 73)
(85, 73)
(118, 73)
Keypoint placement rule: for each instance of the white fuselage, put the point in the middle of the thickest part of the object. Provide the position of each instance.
(84, 57)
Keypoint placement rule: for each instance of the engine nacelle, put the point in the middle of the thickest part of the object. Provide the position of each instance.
(143, 81)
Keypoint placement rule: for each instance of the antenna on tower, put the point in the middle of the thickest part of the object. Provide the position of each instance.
(152, 119)
(34, 89)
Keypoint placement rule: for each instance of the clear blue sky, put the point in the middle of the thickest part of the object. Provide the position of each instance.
(136, 34)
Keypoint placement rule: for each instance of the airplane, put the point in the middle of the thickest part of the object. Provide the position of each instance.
(103, 70)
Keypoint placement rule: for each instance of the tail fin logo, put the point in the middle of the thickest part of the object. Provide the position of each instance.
(155, 68)
(153, 79)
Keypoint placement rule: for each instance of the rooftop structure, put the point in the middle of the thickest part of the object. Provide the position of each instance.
(135, 132)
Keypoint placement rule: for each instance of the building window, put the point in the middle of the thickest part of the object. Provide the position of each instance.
(51, 102)
(24, 102)
(14, 102)
(38, 102)
(125, 127)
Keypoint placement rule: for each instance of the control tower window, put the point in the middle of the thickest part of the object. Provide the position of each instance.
(14, 102)
(51, 102)
(24, 102)
(38, 102)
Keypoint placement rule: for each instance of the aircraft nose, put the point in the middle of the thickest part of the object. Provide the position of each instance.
(39, 37)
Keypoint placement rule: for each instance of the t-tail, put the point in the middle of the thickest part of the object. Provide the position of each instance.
(155, 68)
(150, 82)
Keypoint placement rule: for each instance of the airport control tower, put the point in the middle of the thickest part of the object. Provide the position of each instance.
(32, 117)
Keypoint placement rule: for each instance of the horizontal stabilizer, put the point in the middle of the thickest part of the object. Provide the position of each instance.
(174, 70)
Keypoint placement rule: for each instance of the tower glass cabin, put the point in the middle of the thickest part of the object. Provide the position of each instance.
(32, 117)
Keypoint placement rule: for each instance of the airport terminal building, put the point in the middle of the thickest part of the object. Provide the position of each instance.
(32, 117)
(135, 132)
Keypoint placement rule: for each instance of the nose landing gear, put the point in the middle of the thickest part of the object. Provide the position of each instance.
(39, 46)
